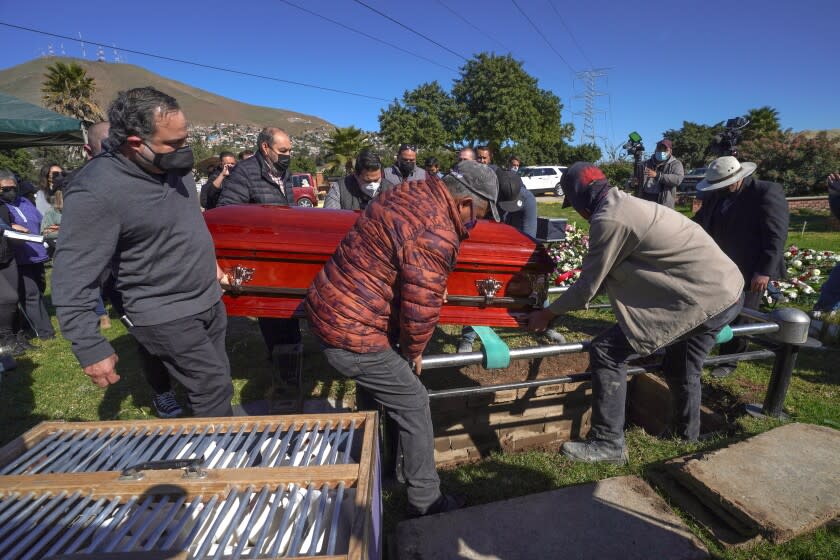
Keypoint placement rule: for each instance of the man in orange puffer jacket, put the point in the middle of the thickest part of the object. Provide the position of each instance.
(376, 303)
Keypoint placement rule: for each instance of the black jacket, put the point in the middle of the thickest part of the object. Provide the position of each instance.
(7, 252)
(250, 183)
(149, 231)
(209, 196)
(753, 230)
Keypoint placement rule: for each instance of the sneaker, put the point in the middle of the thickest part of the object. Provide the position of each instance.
(595, 451)
(446, 502)
(465, 346)
(722, 371)
(166, 406)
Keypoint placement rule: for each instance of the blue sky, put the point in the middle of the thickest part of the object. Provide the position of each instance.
(667, 61)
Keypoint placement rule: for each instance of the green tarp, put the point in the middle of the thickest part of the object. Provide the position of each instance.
(23, 124)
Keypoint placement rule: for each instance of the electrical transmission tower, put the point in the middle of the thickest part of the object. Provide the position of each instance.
(589, 77)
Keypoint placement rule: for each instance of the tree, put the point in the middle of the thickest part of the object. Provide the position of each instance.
(583, 152)
(618, 172)
(692, 141)
(502, 104)
(343, 146)
(764, 121)
(427, 117)
(799, 162)
(18, 161)
(303, 164)
(68, 90)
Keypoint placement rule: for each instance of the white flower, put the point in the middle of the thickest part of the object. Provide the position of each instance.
(808, 290)
(787, 254)
(791, 294)
(797, 263)
(816, 272)
(791, 272)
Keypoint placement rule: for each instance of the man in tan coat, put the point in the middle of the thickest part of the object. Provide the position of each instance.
(670, 287)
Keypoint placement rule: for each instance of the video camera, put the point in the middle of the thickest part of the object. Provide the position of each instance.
(725, 142)
(634, 145)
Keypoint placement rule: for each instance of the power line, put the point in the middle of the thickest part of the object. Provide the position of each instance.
(537, 29)
(199, 64)
(363, 34)
(407, 28)
(569, 31)
(471, 24)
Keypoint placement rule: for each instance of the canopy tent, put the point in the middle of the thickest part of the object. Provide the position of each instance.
(23, 125)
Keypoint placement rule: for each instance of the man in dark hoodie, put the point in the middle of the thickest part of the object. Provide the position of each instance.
(670, 287)
(129, 208)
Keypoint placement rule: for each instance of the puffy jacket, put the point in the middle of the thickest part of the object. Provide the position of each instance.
(250, 183)
(386, 280)
(348, 195)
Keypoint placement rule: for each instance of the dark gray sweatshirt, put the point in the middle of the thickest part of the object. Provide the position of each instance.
(149, 232)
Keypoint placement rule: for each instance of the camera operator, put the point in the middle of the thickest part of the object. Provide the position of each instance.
(662, 175)
(213, 187)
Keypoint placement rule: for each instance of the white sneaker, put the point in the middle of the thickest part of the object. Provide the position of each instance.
(166, 406)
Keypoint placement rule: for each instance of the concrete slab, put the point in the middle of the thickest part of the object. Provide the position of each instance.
(727, 530)
(783, 482)
(614, 518)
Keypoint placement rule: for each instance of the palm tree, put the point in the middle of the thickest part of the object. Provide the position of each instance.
(343, 146)
(68, 90)
(764, 121)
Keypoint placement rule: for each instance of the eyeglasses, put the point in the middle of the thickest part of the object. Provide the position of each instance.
(404, 147)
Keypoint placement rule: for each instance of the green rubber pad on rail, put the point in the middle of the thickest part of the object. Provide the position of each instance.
(496, 352)
(725, 335)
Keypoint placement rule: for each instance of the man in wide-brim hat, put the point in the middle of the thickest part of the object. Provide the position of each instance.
(748, 219)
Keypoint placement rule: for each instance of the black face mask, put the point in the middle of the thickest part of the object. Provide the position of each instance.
(406, 168)
(180, 161)
(8, 196)
(282, 163)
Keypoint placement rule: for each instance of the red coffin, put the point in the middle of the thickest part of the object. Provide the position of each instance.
(274, 252)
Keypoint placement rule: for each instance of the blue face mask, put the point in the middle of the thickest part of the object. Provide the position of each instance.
(661, 156)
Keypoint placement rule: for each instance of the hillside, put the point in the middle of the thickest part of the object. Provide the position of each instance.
(201, 107)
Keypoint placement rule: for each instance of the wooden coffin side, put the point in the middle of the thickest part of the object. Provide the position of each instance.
(274, 253)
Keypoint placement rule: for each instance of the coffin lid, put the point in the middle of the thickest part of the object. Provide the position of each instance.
(318, 231)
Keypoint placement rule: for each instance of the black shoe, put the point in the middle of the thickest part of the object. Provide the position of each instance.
(446, 502)
(23, 340)
(722, 371)
(10, 345)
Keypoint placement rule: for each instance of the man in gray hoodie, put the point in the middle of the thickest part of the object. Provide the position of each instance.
(670, 287)
(130, 209)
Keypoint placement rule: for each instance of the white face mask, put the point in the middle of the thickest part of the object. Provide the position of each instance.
(371, 188)
(514, 168)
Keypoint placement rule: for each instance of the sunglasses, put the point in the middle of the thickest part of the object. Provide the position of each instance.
(7, 189)
(404, 147)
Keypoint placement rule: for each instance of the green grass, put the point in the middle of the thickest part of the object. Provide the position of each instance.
(49, 385)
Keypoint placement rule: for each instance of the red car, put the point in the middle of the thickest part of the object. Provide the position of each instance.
(304, 190)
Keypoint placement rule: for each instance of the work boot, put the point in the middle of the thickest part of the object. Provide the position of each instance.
(722, 371)
(446, 502)
(596, 451)
(465, 346)
(555, 336)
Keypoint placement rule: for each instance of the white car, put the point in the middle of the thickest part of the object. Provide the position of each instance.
(541, 179)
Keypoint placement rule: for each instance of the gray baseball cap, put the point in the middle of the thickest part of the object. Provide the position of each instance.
(479, 179)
